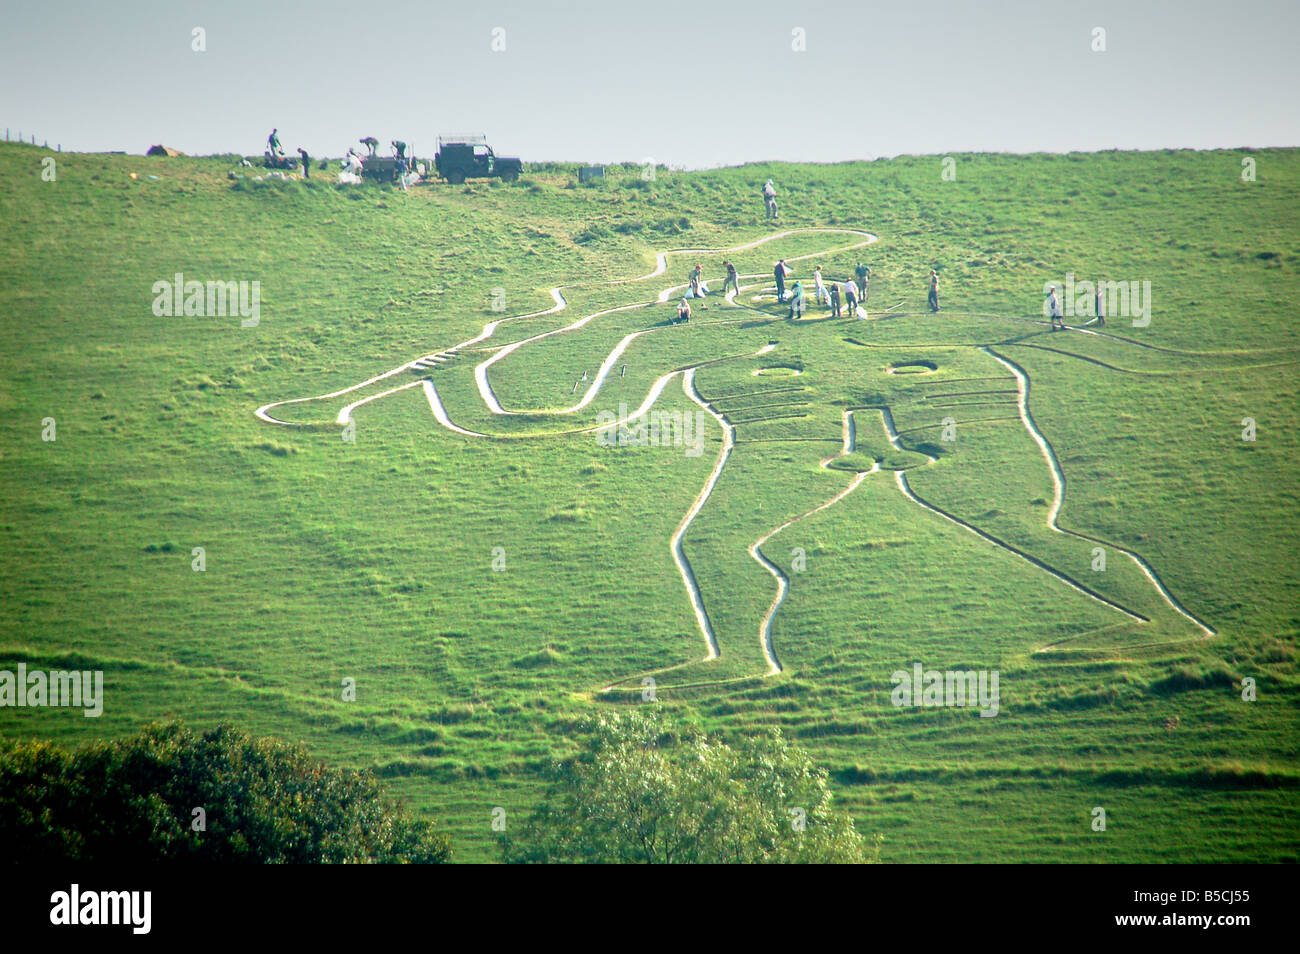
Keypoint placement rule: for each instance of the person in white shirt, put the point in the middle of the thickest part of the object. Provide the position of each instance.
(1054, 308)
(769, 199)
(850, 299)
(819, 289)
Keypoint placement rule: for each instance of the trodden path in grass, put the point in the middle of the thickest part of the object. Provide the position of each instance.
(1058, 488)
(426, 364)
(783, 581)
(483, 384)
(432, 359)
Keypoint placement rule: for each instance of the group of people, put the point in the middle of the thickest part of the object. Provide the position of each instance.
(276, 157)
(846, 299)
(352, 162)
(843, 298)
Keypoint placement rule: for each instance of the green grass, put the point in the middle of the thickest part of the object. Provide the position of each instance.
(372, 559)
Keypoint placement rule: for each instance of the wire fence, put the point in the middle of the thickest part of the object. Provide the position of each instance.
(30, 141)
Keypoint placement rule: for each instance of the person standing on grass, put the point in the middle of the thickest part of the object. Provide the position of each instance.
(1101, 305)
(819, 288)
(273, 143)
(306, 163)
(733, 280)
(835, 299)
(864, 280)
(697, 277)
(796, 301)
(850, 300)
(401, 173)
(769, 199)
(862, 273)
(780, 272)
(934, 290)
(1054, 309)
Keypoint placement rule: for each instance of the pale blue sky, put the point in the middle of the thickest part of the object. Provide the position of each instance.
(700, 83)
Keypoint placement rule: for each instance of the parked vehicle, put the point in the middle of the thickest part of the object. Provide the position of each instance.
(470, 157)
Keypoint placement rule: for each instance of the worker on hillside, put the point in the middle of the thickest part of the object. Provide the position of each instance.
(733, 280)
(306, 163)
(864, 281)
(1101, 305)
(769, 199)
(780, 272)
(819, 287)
(683, 312)
(796, 301)
(399, 148)
(934, 290)
(1054, 309)
(850, 299)
(273, 143)
(698, 287)
(371, 143)
(835, 299)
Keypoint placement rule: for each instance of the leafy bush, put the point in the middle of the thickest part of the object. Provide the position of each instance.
(134, 801)
(637, 793)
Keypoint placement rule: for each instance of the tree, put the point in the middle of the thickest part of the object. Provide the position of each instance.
(261, 800)
(635, 793)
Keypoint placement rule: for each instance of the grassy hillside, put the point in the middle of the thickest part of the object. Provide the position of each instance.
(329, 559)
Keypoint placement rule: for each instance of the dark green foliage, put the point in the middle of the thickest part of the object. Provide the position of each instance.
(635, 793)
(134, 801)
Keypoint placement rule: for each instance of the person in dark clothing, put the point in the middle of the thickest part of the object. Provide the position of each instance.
(371, 143)
(306, 163)
(779, 273)
(733, 280)
(399, 148)
(835, 299)
(934, 290)
(273, 143)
